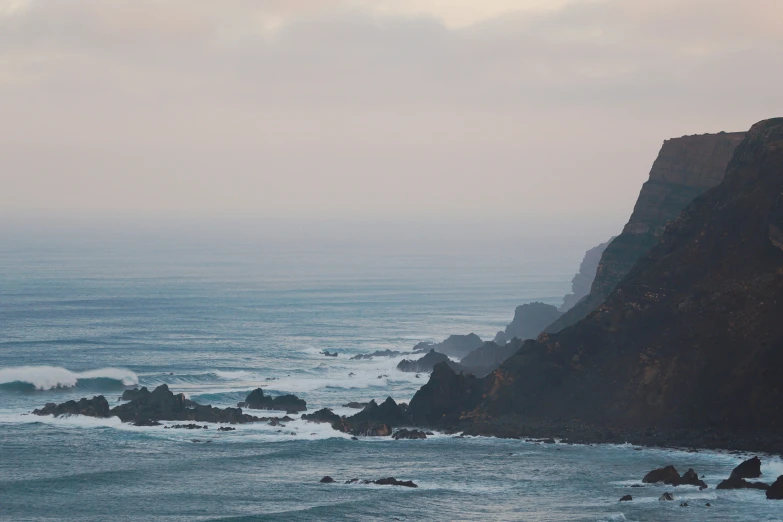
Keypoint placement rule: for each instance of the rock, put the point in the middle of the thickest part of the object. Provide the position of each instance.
(356, 405)
(626, 498)
(489, 356)
(708, 504)
(738, 483)
(667, 475)
(408, 434)
(379, 353)
(666, 496)
(391, 481)
(749, 469)
(329, 354)
(327, 416)
(135, 393)
(388, 413)
(226, 428)
(187, 427)
(583, 280)
(426, 363)
(548, 441)
(98, 406)
(327, 480)
(147, 422)
(775, 491)
(455, 345)
(354, 438)
(683, 504)
(371, 429)
(529, 320)
(256, 400)
(691, 478)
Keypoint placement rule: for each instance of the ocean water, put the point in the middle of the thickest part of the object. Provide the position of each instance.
(91, 314)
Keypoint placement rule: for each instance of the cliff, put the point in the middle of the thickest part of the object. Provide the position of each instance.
(583, 280)
(688, 346)
(684, 169)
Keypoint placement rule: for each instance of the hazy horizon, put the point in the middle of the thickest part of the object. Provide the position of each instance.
(529, 111)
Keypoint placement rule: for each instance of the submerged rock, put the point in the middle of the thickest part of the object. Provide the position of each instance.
(329, 354)
(391, 481)
(256, 400)
(98, 406)
(626, 498)
(187, 427)
(667, 496)
(226, 428)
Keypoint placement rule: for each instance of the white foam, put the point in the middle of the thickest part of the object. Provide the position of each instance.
(51, 377)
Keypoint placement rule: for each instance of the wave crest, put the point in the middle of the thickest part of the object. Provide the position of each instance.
(54, 377)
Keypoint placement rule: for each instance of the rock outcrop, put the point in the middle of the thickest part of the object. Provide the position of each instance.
(256, 400)
(409, 434)
(583, 280)
(687, 346)
(775, 491)
(685, 168)
(670, 476)
(455, 345)
(426, 363)
(750, 468)
(488, 357)
(149, 407)
(529, 320)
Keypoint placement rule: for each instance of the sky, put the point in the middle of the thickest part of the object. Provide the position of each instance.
(530, 112)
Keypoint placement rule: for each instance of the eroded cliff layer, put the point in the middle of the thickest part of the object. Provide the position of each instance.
(684, 169)
(691, 338)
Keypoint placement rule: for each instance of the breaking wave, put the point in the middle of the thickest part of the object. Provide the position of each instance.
(31, 378)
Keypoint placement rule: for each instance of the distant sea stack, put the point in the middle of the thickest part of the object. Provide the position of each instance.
(583, 280)
(688, 348)
(685, 168)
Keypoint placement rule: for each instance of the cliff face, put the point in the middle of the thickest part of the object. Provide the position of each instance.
(684, 169)
(529, 320)
(691, 338)
(583, 280)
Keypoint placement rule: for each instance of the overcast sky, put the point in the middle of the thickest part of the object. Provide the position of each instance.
(424, 109)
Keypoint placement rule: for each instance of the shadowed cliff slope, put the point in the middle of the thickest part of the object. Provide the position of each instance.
(684, 169)
(690, 339)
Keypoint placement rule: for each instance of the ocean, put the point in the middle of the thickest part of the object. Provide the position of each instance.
(215, 316)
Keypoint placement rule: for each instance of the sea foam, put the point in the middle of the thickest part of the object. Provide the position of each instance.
(53, 377)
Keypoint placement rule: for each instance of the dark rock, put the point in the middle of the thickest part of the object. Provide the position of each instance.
(444, 396)
(135, 393)
(749, 469)
(327, 480)
(256, 400)
(455, 345)
(327, 416)
(548, 441)
(738, 483)
(683, 504)
(489, 356)
(691, 478)
(187, 427)
(226, 428)
(391, 481)
(626, 498)
(388, 412)
(329, 354)
(667, 475)
(356, 405)
(354, 438)
(426, 363)
(583, 280)
(708, 504)
(147, 422)
(667, 496)
(370, 429)
(529, 321)
(408, 434)
(379, 353)
(775, 491)
(96, 407)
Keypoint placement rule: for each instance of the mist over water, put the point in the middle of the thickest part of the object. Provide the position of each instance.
(216, 312)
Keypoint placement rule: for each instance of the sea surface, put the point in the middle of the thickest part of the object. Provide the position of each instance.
(216, 317)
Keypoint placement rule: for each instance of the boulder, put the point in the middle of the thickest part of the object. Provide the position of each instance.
(626, 498)
(751, 468)
(98, 406)
(408, 434)
(775, 491)
(326, 480)
(329, 354)
(256, 400)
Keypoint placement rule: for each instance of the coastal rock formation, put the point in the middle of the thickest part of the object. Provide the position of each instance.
(750, 468)
(670, 476)
(149, 407)
(256, 400)
(378, 353)
(487, 357)
(775, 491)
(409, 434)
(685, 168)
(455, 345)
(426, 363)
(738, 483)
(529, 320)
(626, 498)
(583, 280)
(96, 407)
(686, 347)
